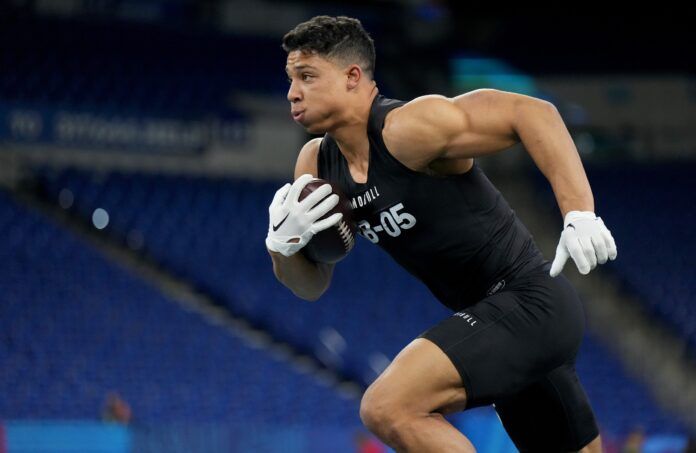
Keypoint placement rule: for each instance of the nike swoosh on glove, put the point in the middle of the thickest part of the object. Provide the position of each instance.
(586, 240)
(292, 223)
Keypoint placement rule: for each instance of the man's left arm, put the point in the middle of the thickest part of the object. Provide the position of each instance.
(544, 135)
(486, 121)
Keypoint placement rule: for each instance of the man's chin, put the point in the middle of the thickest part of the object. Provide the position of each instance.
(313, 129)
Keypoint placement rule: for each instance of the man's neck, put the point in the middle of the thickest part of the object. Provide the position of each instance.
(351, 136)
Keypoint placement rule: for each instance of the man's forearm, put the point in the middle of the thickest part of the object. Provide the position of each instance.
(304, 278)
(546, 138)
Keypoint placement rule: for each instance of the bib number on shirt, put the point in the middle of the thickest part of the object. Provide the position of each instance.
(391, 222)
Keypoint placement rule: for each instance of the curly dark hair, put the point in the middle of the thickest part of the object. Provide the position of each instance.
(341, 38)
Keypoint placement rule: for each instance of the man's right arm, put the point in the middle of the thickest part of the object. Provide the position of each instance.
(306, 279)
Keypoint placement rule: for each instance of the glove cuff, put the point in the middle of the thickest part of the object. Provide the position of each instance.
(286, 249)
(572, 216)
(270, 245)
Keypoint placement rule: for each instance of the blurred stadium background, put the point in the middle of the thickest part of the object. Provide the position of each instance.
(141, 142)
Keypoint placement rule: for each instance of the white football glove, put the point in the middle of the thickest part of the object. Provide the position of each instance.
(291, 219)
(586, 239)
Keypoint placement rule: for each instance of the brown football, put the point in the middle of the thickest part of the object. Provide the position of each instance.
(334, 243)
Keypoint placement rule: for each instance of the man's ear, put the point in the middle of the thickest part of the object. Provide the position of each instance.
(354, 74)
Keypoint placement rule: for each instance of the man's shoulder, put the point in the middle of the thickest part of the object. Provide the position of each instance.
(426, 108)
(413, 132)
(312, 146)
(307, 161)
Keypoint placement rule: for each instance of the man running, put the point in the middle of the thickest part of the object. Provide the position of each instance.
(409, 169)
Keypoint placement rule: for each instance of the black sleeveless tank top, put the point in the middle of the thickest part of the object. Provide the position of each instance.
(455, 233)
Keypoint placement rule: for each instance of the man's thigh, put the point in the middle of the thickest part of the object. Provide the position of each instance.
(552, 414)
(421, 379)
(507, 341)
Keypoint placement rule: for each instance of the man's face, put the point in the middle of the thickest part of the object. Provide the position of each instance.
(317, 90)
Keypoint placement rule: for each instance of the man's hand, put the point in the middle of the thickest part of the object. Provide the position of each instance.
(292, 222)
(586, 240)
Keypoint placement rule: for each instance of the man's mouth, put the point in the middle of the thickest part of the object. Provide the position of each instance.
(297, 116)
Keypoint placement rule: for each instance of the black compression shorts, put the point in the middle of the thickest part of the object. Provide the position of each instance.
(516, 350)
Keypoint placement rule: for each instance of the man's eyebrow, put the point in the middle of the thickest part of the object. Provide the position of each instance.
(300, 67)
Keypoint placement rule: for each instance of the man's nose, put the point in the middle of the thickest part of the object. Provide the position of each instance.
(293, 93)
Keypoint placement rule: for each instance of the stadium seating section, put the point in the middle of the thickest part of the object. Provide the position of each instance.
(372, 309)
(76, 326)
(129, 69)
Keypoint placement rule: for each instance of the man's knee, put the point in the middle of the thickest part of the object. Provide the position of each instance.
(375, 411)
(382, 417)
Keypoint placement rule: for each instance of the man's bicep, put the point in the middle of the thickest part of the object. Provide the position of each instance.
(490, 117)
(471, 125)
(307, 159)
